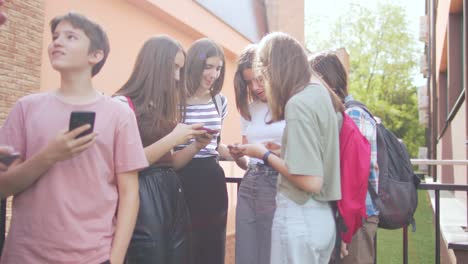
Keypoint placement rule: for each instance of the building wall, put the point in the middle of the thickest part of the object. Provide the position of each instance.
(451, 75)
(286, 16)
(25, 68)
(129, 24)
(449, 87)
(20, 52)
(459, 148)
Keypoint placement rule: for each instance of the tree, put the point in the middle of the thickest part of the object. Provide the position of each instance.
(383, 57)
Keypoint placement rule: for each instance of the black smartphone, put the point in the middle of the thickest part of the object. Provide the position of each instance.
(80, 118)
(8, 159)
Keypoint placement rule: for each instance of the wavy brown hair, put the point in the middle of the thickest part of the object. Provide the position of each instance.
(282, 61)
(328, 67)
(197, 54)
(244, 95)
(157, 96)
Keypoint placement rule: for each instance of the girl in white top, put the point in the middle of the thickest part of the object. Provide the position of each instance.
(303, 230)
(256, 199)
(203, 179)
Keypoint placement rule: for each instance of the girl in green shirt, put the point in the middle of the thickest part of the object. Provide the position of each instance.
(303, 225)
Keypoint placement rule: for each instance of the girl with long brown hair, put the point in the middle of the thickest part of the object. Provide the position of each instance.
(156, 91)
(256, 197)
(328, 67)
(203, 178)
(303, 225)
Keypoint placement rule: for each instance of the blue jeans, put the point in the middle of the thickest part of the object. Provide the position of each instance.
(254, 215)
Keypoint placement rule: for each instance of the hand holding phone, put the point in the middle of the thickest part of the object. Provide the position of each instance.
(209, 130)
(8, 158)
(234, 151)
(80, 118)
(270, 145)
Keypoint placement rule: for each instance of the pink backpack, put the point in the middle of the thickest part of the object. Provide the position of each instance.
(130, 103)
(355, 168)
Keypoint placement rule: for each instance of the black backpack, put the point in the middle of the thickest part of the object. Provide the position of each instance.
(397, 198)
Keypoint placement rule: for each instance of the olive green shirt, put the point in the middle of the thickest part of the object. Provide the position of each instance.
(310, 144)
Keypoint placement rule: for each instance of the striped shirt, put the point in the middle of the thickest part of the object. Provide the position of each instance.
(367, 126)
(209, 116)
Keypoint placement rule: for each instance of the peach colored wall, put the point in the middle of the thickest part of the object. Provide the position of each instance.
(129, 23)
(192, 15)
(458, 124)
(286, 16)
(459, 148)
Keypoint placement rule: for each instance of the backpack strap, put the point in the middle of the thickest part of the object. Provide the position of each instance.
(218, 102)
(125, 99)
(340, 227)
(130, 103)
(355, 103)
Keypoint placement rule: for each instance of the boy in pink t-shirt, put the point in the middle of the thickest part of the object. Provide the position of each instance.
(76, 199)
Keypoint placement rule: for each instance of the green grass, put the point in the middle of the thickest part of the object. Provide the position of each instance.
(420, 243)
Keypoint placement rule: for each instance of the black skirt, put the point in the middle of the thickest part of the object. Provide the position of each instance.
(162, 233)
(205, 189)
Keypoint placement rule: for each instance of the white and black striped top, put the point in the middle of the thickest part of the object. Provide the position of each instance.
(208, 115)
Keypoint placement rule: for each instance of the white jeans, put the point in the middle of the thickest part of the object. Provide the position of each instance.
(302, 234)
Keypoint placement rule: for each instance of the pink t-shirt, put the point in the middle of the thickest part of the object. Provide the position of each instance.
(68, 214)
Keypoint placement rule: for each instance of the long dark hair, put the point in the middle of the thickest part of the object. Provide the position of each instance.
(328, 67)
(243, 94)
(157, 96)
(197, 54)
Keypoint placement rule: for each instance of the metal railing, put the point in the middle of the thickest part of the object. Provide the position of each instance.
(436, 187)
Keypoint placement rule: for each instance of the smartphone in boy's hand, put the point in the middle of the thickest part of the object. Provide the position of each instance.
(80, 118)
(8, 158)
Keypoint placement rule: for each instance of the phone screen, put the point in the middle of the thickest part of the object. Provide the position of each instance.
(209, 130)
(81, 118)
(8, 159)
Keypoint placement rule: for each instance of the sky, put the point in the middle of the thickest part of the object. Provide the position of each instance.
(328, 11)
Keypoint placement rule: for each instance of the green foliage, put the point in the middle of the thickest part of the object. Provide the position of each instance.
(383, 58)
(420, 243)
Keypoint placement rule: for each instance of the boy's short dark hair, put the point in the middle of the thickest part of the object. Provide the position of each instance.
(95, 33)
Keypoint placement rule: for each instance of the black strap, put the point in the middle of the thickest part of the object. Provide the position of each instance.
(218, 104)
(372, 191)
(2, 223)
(355, 103)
